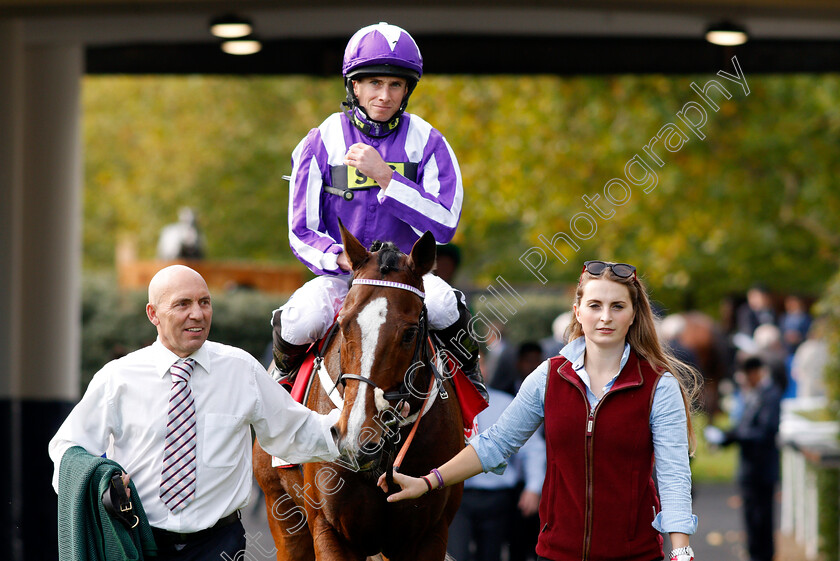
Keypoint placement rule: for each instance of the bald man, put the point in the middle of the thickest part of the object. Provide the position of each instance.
(219, 392)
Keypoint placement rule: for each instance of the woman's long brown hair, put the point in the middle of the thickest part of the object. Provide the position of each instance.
(644, 340)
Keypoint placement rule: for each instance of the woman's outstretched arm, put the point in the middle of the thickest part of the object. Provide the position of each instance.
(464, 465)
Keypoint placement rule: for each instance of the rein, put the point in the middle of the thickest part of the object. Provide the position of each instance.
(397, 462)
(443, 395)
(401, 455)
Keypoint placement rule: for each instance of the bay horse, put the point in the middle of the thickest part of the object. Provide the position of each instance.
(377, 366)
(701, 335)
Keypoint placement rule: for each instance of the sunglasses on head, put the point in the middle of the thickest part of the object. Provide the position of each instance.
(596, 268)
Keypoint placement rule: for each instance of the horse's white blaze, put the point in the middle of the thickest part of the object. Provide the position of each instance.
(370, 321)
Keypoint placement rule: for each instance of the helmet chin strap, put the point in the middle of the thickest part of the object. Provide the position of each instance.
(374, 129)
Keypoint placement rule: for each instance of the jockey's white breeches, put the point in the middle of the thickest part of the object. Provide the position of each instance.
(310, 311)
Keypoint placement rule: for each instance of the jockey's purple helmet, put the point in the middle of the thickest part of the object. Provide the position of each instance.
(379, 50)
(382, 50)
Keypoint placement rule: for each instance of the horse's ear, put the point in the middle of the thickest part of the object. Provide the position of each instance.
(356, 252)
(423, 254)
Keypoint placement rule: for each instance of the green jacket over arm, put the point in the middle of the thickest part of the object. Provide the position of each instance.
(86, 532)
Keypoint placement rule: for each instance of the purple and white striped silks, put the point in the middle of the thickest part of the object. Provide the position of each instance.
(426, 192)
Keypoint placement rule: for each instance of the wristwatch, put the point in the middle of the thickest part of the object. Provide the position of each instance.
(682, 554)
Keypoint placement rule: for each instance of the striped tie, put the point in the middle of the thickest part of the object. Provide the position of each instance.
(177, 480)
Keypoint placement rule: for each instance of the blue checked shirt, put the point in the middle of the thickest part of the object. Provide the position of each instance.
(667, 423)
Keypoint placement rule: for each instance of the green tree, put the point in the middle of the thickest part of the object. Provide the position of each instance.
(754, 200)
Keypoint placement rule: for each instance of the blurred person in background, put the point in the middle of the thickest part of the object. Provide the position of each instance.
(757, 310)
(671, 331)
(525, 520)
(552, 344)
(448, 262)
(758, 467)
(181, 240)
(528, 355)
(500, 358)
(795, 322)
(808, 365)
(770, 347)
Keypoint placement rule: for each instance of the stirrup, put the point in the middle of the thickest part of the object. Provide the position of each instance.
(285, 379)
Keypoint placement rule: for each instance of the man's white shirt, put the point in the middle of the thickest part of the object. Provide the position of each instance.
(126, 406)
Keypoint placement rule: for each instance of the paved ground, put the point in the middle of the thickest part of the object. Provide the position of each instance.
(720, 534)
(260, 544)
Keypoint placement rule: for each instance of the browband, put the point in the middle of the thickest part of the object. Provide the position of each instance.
(392, 284)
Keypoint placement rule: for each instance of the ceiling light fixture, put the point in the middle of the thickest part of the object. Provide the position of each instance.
(726, 33)
(230, 27)
(242, 46)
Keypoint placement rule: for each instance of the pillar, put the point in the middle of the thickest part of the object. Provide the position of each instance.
(40, 274)
(11, 149)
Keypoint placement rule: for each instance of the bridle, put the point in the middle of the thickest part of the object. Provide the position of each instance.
(391, 284)
(404, 392)
(422, 356)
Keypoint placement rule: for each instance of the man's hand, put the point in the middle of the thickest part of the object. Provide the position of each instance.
(368, 161)
(125, 479)
(529, 503)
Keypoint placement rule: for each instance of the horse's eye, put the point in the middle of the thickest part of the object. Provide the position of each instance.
(410, 334)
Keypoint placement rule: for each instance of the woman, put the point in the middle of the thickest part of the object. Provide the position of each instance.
(613, 401)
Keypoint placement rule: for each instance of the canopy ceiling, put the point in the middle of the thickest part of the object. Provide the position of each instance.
(460, 36)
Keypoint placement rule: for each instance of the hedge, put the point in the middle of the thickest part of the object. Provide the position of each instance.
(114, 321)
(533, 312)
(828, 308)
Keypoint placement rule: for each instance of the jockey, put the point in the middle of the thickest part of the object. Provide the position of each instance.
(401, 178)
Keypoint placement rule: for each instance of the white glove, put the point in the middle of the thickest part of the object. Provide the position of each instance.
(713, 435)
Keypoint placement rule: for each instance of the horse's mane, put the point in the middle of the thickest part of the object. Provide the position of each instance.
(389, 256)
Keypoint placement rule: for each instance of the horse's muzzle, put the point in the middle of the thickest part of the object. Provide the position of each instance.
(366, 458)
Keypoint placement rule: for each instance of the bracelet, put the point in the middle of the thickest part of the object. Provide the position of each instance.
(439, 478)
(428, 483)
(675, 553)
